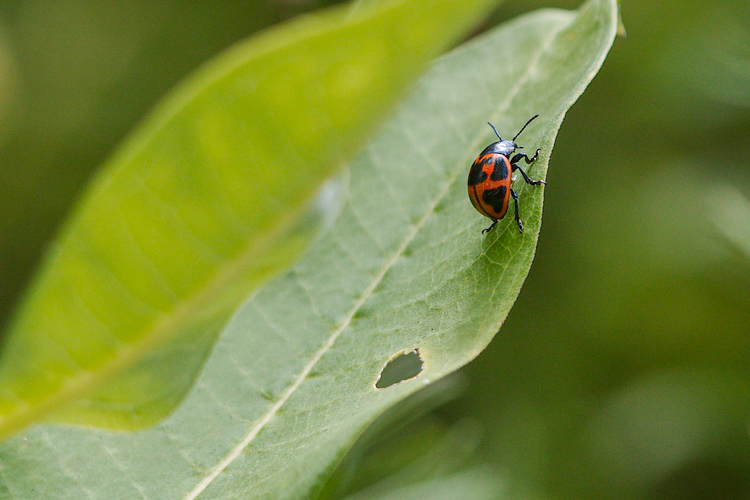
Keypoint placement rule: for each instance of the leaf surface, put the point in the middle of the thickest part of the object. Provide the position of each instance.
(291, 382)
(212, 195)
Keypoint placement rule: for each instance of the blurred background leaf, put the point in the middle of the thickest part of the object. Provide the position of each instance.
(76, 77)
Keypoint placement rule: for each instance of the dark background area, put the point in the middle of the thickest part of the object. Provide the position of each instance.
(622, 370)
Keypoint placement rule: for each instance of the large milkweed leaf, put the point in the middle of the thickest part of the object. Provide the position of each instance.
(209, 198)
(292, 381)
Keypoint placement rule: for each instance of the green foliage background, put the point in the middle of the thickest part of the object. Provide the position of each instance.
(622, 371)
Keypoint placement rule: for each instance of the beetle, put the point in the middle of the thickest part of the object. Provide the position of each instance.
(491, 174)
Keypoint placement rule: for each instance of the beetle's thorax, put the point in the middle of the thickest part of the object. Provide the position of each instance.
(501, 147)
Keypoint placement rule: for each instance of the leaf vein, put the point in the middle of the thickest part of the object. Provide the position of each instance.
(377, 279)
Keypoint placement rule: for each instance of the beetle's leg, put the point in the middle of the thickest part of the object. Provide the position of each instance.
(518, 157)
(494, 223)
(515, 166)
(518, 216)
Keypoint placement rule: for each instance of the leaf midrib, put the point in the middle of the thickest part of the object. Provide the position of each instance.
(271, 412)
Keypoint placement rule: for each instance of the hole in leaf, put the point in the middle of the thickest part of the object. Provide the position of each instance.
(402, 367)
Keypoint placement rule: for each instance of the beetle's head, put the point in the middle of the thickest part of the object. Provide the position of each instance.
(505, 147)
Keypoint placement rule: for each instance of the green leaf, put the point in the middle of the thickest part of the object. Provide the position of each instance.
(291, 382)
(208, 199)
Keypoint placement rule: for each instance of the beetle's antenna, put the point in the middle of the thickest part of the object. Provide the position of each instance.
(519, 132)
(493, 128)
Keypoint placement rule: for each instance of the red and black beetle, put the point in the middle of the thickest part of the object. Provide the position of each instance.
(491, 174)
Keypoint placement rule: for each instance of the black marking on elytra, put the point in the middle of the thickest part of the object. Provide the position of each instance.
(500, 170)
(495, 198)
(478, 205)
(477, 175)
